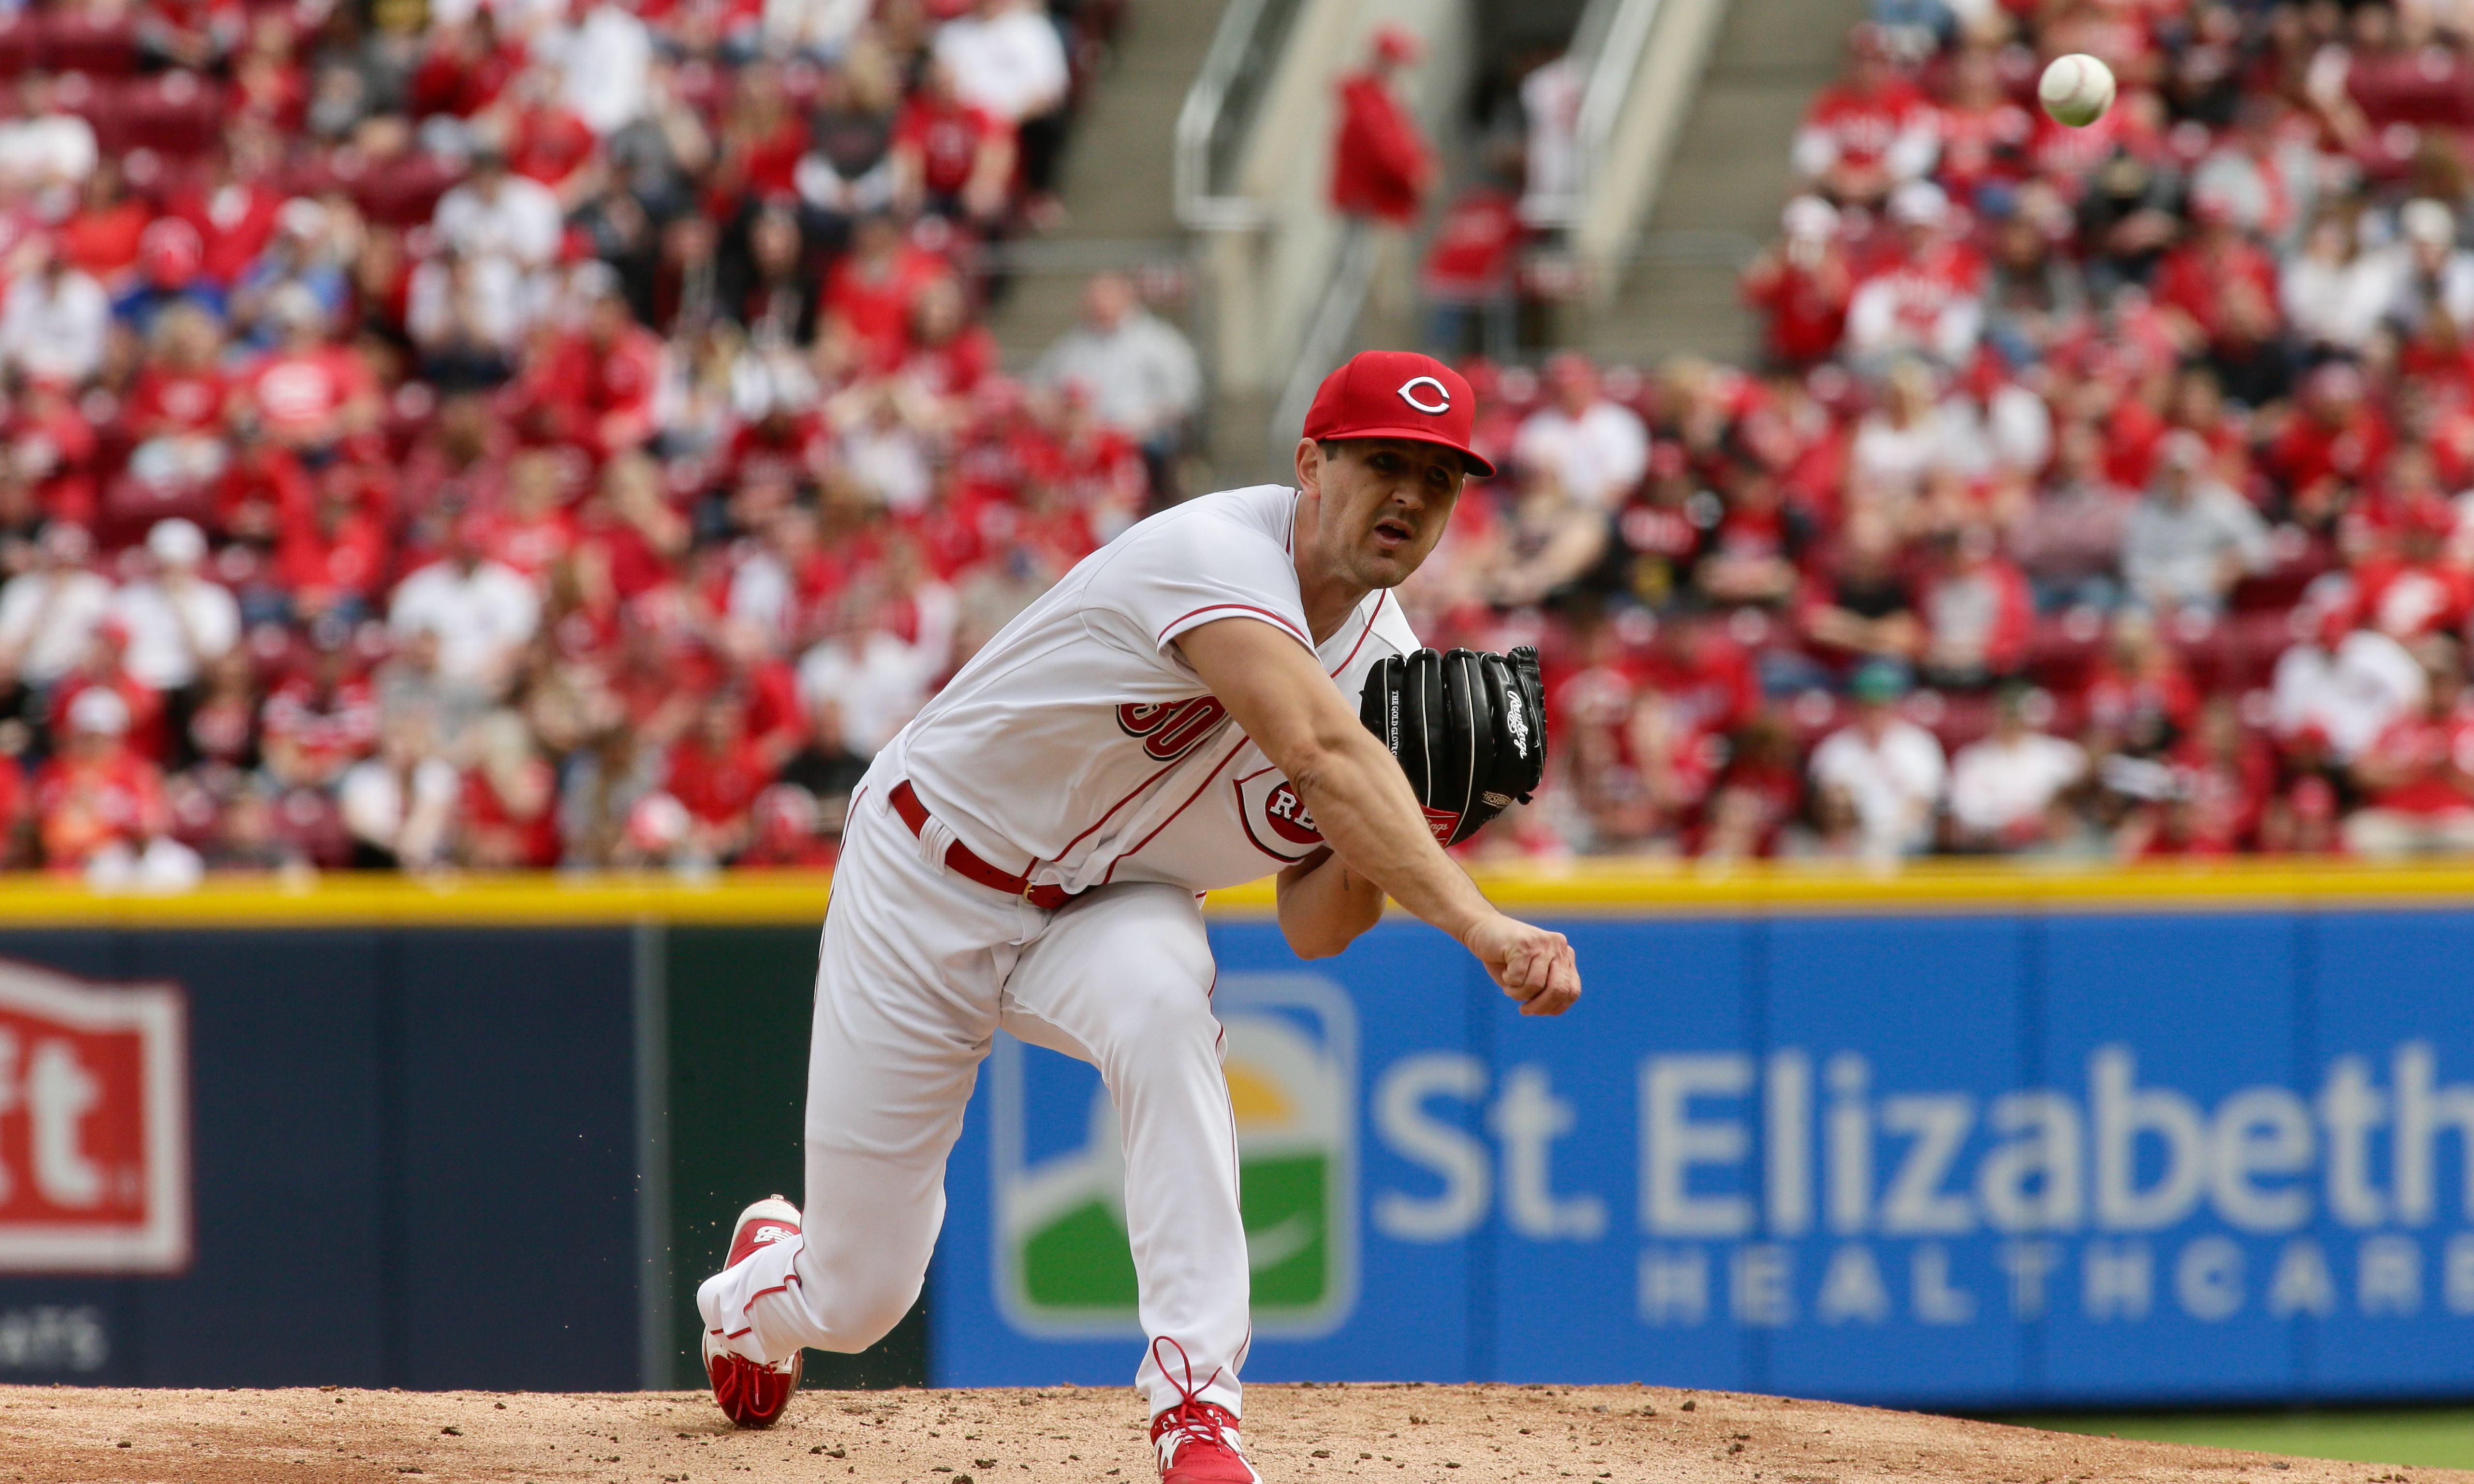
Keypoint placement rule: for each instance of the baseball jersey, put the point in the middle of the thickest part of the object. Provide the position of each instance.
(1080, 747)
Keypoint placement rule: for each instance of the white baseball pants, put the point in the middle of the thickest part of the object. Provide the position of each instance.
(919, 970)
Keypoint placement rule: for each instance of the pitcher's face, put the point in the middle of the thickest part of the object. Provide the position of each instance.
(1382, 503)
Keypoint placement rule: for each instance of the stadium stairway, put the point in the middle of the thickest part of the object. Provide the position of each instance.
(1114, 179)
(1723, 188)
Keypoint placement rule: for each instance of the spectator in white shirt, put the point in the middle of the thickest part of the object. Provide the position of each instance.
(1006, 56)
(399, 806)
(877, 677)
(2347, 685)
(2003, 787)
(2425, 272)
(1140, 375)
(820, 29)
(1883, 770)
(2193, 537)
(177, 621)
(54, 324)
(609, 57)
(2333, 295)
(49, 615)
(483, 612)
(499, 213)
(1595, 448)
(1927, 297)
(45, 144)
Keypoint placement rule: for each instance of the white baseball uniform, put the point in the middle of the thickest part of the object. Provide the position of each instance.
(1079, 749)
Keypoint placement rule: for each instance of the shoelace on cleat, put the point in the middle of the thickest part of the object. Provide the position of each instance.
(1192, 1419)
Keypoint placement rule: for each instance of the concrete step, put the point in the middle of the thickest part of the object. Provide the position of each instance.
(1116, 177)
(1724, 187)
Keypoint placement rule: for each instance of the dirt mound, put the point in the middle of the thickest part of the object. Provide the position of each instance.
(1333, 1432)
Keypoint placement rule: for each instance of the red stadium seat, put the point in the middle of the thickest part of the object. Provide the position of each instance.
(20, 45)
(176, 114)
(78, 41)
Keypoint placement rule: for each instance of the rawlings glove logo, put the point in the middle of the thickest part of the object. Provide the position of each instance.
(1515, 718)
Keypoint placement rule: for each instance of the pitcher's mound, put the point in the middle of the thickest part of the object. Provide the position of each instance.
(1339, 1433)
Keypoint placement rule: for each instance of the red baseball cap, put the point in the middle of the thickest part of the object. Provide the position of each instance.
(1398, 394)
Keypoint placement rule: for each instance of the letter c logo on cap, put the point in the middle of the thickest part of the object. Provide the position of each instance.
(1443, 402)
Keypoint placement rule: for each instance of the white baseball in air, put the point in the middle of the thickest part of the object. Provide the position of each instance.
(2076, 90)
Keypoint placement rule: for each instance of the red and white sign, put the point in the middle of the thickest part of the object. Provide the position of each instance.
(94, 1125)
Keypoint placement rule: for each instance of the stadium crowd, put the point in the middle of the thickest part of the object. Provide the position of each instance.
(523, 433)
(563, 433)
(2102, 492)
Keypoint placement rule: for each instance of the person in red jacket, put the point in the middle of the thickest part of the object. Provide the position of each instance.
(1381, 161)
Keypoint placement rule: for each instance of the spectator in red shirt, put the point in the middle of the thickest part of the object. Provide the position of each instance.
(546, 140)
(2415, 591)
(466, 68)
(1471, 278)
(97, 796)
(333, 555)
(2195, 277)
(716, 771)
(1984, 134)
(1978, 614)
(102, 238)
(1757, 796)
(1707, 678)
(2337, 437)
(233, 208)
(310, 395)
(1927, 296)
(949, 157)
(509, 818)
(2418, 775)
(105, 666)
(869, 291)
(1803, 284)
(533, 532)
(1869, 132)
(594, 387)
(324, 718)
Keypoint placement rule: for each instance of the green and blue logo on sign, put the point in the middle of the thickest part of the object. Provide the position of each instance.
(1063, 1266)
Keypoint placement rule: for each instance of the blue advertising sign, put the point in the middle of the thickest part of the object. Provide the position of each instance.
(1972, 1160)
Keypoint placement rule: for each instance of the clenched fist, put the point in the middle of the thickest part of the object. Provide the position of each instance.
(1533, 965)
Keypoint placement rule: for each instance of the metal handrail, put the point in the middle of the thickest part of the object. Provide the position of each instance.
(1612, 35)
(1199, 120)
(1327, 336)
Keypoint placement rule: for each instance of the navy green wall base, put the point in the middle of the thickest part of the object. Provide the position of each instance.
(738, 1003)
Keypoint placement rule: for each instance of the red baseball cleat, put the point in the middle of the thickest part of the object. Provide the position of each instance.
(751, 1393)
(1197, 1445)
(1197, 1439)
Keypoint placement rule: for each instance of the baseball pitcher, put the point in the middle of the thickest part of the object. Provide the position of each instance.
(1226, 691)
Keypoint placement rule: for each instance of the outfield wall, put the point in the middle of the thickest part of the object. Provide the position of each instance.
(1959, 1139)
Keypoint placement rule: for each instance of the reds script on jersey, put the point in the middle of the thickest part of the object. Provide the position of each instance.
(1080, 749)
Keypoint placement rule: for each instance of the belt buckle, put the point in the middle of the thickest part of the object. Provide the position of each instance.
(1027, 889)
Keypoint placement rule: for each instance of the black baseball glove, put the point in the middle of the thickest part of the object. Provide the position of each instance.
(1468, 727)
